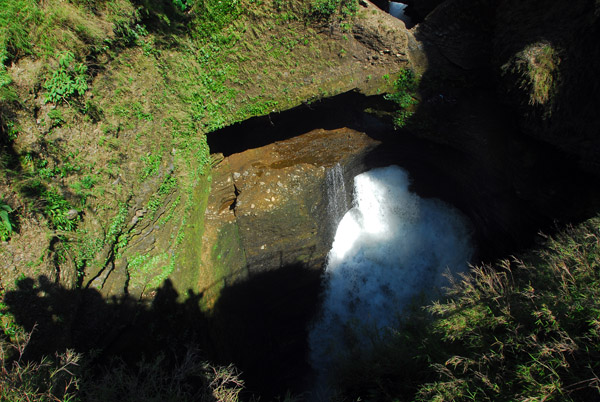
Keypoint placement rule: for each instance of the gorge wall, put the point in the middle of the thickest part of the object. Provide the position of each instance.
(505, 130)
(269, 207)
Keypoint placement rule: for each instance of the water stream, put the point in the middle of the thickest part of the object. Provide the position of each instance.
(398, 10)
(336, 194)
(390, 247)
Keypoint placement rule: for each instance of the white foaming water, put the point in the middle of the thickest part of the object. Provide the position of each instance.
(390, 247)
(336, 193)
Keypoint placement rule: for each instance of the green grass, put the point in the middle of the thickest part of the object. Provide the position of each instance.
(151, 164)
(537, 69)
(69, 376)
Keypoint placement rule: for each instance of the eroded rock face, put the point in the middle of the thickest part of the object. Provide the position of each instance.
(269, 206)
(458, 32)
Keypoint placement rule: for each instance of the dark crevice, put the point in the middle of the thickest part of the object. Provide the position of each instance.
(233, 205)
(345, 110)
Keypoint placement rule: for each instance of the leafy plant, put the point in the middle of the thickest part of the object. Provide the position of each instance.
(128, 32)
(183, 5)
(82, 187)
(156, 201)
(12, 132)
(405, 87)
(59, 211)
(6, 227)
(68, 79)
(92, 111)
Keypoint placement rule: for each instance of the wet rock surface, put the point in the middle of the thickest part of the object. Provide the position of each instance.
(277, 197)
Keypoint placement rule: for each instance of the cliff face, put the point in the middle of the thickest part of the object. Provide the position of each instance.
(272, 207)
(110, 185)
(548, 57)
(538, 58)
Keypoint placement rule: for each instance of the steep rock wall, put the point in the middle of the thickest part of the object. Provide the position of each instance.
(270, 207)
(538, 59)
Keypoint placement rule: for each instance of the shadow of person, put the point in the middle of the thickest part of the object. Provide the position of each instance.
(259, 326)
(83, 320)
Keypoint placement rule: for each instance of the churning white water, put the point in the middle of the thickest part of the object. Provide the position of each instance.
(390, 247)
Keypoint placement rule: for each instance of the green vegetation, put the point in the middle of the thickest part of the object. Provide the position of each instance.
(326, 8)
(104, 110)
(537, 71)
(56, 118)
(61, 214)
(404, 96)
(166, 188)
(6, 226)
(83, 186)
(211, 16)
(68, 79)
(51, 379)
(68, 376)
(524, 330)
(151, 165)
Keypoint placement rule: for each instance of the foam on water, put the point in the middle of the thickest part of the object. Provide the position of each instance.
(391, 246)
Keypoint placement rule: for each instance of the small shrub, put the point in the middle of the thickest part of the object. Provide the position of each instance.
(192, 379)
(405, 88)
(57, 210)
(151, 164)
(325, 9)
(68, 79)
(129, 33)
(92, 111)
(9, 130)
(82, 187)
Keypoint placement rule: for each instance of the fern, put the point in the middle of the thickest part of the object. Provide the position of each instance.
(6, 227)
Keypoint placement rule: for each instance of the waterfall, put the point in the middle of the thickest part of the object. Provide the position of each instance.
(390, 247)
(337, 202)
